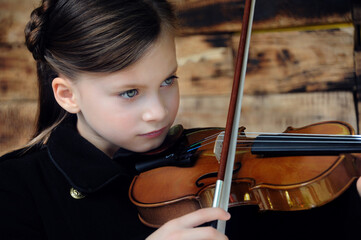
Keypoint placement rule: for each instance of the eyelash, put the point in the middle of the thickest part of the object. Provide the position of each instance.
(172, 78)
(126, 94)
(135, 92)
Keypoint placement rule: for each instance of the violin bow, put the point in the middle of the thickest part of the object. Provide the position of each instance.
(224, 178)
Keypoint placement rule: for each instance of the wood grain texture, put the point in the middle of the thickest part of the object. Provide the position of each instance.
(17, 120)
(226, 15)
(301, 61)
(294, 77)
(17, 73)
(14, 14)
(205, 64)
(358, 85)
(279, 62)
(18, 90)
(272, 112)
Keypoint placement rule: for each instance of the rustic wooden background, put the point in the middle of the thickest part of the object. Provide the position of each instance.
(304, 65)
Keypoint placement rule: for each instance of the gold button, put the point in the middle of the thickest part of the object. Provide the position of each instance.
(76, 194)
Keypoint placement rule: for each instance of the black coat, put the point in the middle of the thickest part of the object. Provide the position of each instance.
(35, 199)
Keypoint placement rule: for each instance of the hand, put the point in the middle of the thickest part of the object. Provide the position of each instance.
(185, 227)
(358, 184)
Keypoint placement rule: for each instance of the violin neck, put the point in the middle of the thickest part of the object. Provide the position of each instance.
(305, 145)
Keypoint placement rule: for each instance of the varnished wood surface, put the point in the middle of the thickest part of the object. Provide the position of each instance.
(301, 182)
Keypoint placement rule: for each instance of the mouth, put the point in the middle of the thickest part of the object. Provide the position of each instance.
(154, 134)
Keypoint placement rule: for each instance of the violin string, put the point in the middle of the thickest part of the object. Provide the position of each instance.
(263, 148)
(308, 141)
(290, 135)
(310, 136)
(283, 147)
(209, 139)
(255, 148)
(201, 142)
(357, 138)
(293, 149)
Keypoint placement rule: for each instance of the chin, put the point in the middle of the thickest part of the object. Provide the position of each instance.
(153, 146)
(146, 145)
(144, 148)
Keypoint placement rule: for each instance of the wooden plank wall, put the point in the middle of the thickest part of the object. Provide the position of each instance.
(301, 68)
(18, 90)
(304, 65)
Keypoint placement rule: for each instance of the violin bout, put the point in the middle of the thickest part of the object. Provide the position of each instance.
(278, 183)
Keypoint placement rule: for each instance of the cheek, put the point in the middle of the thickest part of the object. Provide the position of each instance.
(173, 103)
(117, 128)
(121, 117)
(110, 115)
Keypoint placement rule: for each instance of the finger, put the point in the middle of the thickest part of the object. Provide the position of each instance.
(203, 233)
(202, 216)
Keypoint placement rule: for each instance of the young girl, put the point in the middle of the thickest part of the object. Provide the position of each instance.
(108, 91)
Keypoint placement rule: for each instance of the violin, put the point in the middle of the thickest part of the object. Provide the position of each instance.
(301, 168)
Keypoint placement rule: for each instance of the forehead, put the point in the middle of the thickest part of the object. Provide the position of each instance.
(158, 62)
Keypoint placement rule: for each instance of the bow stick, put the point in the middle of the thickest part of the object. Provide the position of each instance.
(224, 178)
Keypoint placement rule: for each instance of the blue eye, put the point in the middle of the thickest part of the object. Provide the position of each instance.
(169, 81)
(129, 94)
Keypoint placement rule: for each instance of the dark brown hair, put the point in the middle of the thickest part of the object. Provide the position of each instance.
(73, 36)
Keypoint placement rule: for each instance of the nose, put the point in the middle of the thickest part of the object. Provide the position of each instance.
(155, 109)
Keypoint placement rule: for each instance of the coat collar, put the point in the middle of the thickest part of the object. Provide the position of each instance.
(86, 167)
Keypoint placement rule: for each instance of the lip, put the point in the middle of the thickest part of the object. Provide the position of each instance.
(154, 134)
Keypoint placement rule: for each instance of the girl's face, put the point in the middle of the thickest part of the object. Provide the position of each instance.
(132, 108)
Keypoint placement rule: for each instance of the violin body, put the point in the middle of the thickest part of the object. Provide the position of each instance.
(282, 183)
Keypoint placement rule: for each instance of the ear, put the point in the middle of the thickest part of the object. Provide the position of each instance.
(64, 93)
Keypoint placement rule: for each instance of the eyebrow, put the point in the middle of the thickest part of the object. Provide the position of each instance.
(129, 86)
